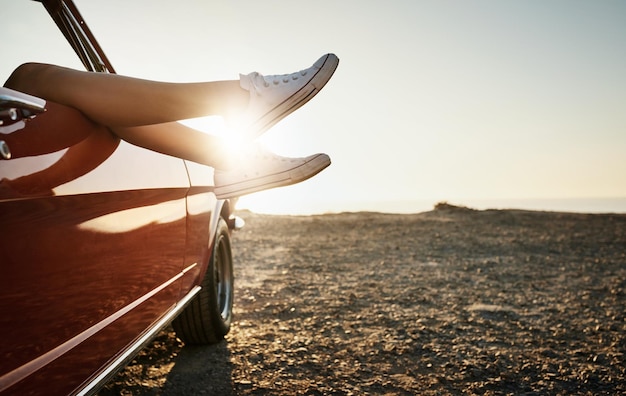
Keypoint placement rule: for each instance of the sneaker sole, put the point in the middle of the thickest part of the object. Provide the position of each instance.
(329, 64)
(280, 179)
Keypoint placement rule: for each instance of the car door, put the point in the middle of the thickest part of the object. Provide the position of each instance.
(91, 247)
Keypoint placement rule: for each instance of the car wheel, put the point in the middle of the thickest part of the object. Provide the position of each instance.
(206, 320)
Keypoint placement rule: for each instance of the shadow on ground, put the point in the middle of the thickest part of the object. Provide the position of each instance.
(201, 370)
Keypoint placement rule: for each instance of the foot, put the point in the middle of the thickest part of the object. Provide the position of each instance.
(266, 170)
(272, 98)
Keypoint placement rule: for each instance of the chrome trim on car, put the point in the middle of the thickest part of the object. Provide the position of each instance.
(5, 151)
(77, 33)
(16, 106)
(124, 358)
(236, 223)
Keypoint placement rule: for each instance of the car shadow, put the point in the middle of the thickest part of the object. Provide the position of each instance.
(200, 370)
(169, 367)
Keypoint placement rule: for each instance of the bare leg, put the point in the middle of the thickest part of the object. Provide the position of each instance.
(117, 101)
(144, 112)
(141, 112)
(84, 156)
(180, 141)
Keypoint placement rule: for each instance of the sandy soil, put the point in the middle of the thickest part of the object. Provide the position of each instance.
(452, 301)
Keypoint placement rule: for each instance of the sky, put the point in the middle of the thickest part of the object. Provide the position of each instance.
(458, 101)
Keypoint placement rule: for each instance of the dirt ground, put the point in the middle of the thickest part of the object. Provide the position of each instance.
(452, 301)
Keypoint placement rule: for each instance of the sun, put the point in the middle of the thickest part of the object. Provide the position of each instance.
(299, 199)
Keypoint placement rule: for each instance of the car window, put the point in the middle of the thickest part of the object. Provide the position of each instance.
(30, 35)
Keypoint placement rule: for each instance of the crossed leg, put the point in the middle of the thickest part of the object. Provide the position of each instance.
(145, 112)
(141, 112)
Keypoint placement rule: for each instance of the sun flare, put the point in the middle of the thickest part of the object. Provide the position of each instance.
(296, 199)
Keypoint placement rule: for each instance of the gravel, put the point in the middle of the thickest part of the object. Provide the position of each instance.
(451, 301)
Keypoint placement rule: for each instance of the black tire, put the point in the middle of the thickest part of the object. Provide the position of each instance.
(207, 318)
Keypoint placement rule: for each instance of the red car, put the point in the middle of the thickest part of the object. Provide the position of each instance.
(102, 243)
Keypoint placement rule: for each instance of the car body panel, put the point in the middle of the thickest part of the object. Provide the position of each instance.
(199, 198)
(87, 249)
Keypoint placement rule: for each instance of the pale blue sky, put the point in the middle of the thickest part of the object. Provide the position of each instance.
(433, 100)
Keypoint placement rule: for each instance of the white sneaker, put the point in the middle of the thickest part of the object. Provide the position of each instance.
(272, 98)
(266, 170)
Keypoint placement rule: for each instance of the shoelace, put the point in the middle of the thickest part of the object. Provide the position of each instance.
(277, 79)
